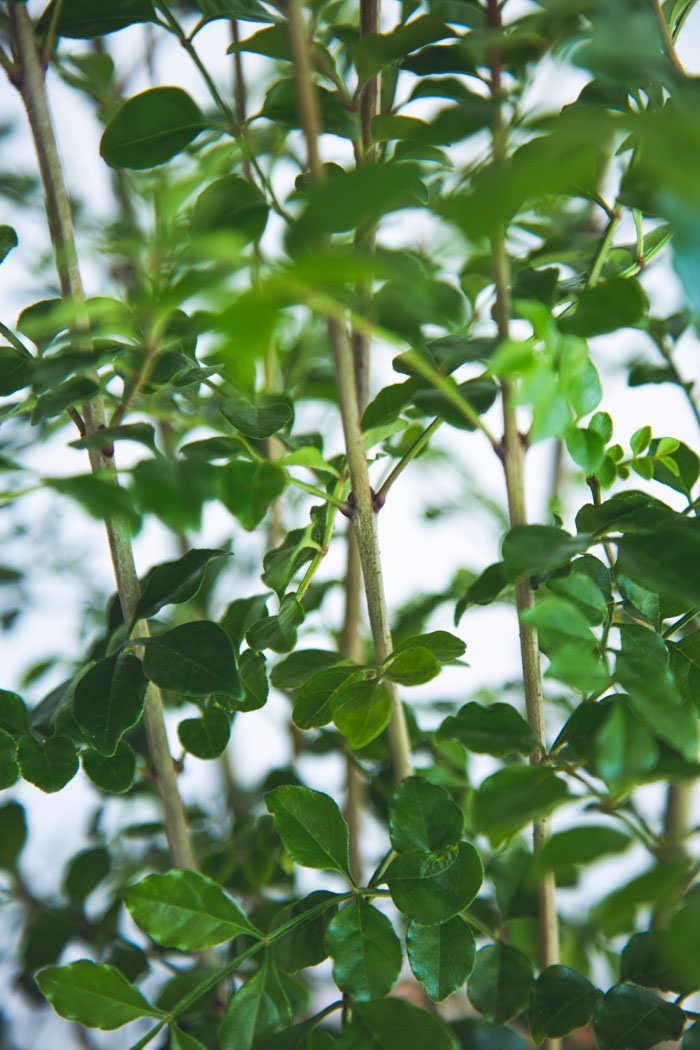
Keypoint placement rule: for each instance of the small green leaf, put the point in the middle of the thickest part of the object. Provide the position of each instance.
(258, 416)
(14, 718)
(361, 711)
(248, 489)
(278, 633)
(313, 704)
(99, 498)
(85, 871)
(423, 816)
(13, 834)
(151, 128)
(636, 1019)
(311, 827)
(441, 957)
(412, 666)
(560, 1001)
(365, 950)
(16, 369)
(433, 887)
(108, 700)
(303, 945)
(252, 671)
(444, 646)
(194, 659)
(50, 764)
(141, 433)
(394, 1024)
(185, 910)
(530, 549)
(582, 845)
(114, 775)
(180, 1040)
(8, 241)
(94, 995)
(512, 797)
(499, 987)
(616, 303)
(260, 1006)
(206, 737)
(230, 205)
(495, 730)
(74, 391)
(299, 667)
(173, 582)
(375, 51)
(586, 448)
(640, 440)
(9, 770)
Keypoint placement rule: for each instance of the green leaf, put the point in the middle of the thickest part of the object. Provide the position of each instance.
(74, 391)
(361, 711)
(194, 659)
(619, 302)
(423, 816)
(642, 668)
(50, 764)
(278, 633)
(248, 489)
(114, 775)
(99, 498)
(394, 1024)
(13, 834)
(660, 558)
(433, 887)
(180, 1040)
(365, 950)
(444, 646)
(560, 1001)
(582, 591)
(14, 718)
(586, 448)
(313, 703)
(258, 416)
(530, 549)
(583, 845)
(514, 796)
(499, 987)
(82, 20)
(299, 667)
(8, 241)
(150, 128)
(308, 456)
(495, 730)
(230, 205)
(691, 1039)
(252, 671)
(624, 750)
(173, 582)
(311, 827)
(412, 666)
(375, 51)
(206, 737)
(185, 910)
(16, 369)
(142, 433)
(9, 770)
(85, 872)
(109, 699)
(441, 957)
(648, 959)
(303, 945)
(258, 1007)
(94, 995)
(636, 1019)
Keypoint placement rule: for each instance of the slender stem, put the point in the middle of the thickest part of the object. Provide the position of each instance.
(364, 518)
(686, 618)
(14, 339)
(668, 39)
(513, 457)
(415, 450)
(60, 221)
(603, 249)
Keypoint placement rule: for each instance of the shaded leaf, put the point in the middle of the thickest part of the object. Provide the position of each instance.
(365, 950)
(194, 659)
(109, 699)
(499, 987)
(441, 957)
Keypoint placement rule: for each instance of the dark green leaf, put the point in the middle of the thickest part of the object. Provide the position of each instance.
(636, 1019)
(142, 433)
(101, 499)
(252, 671)
(97, 996)
(9, 770)
(15, 370)
(259, 416)
(648, 959)
(180, 1040)
(150, 128)
(74, 391)
(185, 910)
(394, 1024)
(582, 845)
(530, 549)
(206, 737)
(313, 702)
(499, 987)
(85, 872)
(173, 582)
(8, 241)
(303, 945)
(247, 489)
(616, 303)
(441, 957)
(48, 765)
(495, 730)
(365, 950)
(433, 887)
(378, 50)
(444, 646)
(260, 1006)
(114, 775)
(560, 1001)
(194, 659)
(109, 699)
(82, 20)
(423, 816)
(230, 205)
(660, 558)
(512, 797)
(278, 633)
(361, 711)
(13, 834)
(623, 749)
(311, 827)
(412, 666)
(299, 667)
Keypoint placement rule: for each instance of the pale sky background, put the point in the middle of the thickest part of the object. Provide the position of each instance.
(416, 556)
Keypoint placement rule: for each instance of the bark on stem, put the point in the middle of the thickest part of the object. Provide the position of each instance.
(32, 88)
(365, 520)
(513, 456)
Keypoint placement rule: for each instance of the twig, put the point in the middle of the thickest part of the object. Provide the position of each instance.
(60, 221)
(415, 450)
(668, 39)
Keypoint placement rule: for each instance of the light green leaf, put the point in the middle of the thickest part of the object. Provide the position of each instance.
(97, 996)
(361, 711)
(248, 489)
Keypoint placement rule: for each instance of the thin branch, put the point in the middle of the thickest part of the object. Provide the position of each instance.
(364, 520)
(60, 221)
(669, 43)
(513, 458)
(416, 448)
